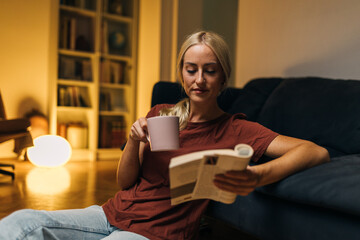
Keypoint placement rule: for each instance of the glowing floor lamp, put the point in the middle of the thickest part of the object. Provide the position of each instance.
(49, 151)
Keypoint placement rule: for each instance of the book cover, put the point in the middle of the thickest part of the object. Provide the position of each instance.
(192, 175)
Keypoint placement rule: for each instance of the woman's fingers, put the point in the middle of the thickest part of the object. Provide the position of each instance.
(239, 182)
(242, 191)
(138, 130)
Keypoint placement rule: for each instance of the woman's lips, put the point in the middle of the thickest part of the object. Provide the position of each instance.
(199, 91)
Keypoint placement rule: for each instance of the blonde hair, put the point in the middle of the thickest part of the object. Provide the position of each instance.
(219, 47)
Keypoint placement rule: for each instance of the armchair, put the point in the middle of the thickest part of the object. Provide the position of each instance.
(13, 129)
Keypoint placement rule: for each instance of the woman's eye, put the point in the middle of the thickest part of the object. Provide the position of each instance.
(191, 71)
(210, 71)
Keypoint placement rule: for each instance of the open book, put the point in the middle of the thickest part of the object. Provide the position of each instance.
(192, 175)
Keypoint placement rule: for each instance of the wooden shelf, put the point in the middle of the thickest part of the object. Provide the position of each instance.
(83, 83)
(117, 57)
(118, 18)
(79, 11)
(76, 53)
(79, 59)
(115, 86)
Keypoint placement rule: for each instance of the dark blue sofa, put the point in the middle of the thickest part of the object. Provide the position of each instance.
(319, 203)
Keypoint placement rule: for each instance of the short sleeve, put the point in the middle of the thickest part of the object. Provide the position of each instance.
(254, 134)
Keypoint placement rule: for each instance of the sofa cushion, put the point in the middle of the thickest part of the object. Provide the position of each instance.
(332, 185)
(228, 96)
(252, 97)
(170, 92)
(321, 110)
(167, 92)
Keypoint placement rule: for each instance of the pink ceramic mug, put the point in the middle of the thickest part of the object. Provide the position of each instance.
(163, 133)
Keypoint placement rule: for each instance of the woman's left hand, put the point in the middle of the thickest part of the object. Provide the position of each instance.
(240, 182)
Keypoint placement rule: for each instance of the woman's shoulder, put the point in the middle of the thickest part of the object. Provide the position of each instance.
(240, 124)
(239, 121)
(155, 110)
(236, 118)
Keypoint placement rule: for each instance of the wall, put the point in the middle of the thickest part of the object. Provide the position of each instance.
(148, 71)
(168, 50)
(298, 38)
(221, 17)
(24, 58)
(211, 15)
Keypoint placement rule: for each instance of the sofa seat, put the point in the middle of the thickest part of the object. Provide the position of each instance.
(333, 185)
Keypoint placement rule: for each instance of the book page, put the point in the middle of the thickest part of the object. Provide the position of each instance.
(183, 171)
(209, 167)
(220, 163)
(192, 175)
(183, 180)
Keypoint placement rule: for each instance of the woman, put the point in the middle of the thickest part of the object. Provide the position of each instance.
(142, 209)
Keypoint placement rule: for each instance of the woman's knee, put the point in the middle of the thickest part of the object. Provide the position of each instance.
(24, 218)
(18, 224)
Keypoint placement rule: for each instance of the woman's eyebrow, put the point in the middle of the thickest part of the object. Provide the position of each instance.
(206, 64)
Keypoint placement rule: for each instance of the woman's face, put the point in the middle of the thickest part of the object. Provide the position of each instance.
(202, 74)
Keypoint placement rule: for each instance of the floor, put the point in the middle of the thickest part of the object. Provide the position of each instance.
(76, 185)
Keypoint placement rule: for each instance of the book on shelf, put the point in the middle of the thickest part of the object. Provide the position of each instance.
(105, 101)
(104, 36)
(73, 96)
(112, 101)
(75, 68)
(192, 175)
(112, 132)
(86, 70)
(72, 33)
(112, 72)
(84, 98)
(64, 25)
(67, 32)
(105, 71)
(62, 96)
(116, 72)
(76, 33)
(67, 68)
(84, 34)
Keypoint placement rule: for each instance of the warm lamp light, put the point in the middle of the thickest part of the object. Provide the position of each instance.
(48, 181)
(49, 151)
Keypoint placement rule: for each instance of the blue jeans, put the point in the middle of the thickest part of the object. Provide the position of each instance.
(89, 223)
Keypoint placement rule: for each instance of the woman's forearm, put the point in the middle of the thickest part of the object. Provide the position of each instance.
(129, 164)
(305, 155)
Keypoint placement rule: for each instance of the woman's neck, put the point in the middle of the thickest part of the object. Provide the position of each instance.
(204, 113)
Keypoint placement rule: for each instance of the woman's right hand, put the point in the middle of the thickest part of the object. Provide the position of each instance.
(138, 131)
(132, 157)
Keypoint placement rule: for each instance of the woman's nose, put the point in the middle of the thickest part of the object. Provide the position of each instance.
(200, 78)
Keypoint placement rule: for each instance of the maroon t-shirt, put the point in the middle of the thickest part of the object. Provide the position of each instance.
(145, 207)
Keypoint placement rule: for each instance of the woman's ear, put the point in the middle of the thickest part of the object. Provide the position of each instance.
(223, 85)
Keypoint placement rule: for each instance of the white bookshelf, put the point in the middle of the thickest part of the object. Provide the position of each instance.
(93, 84)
